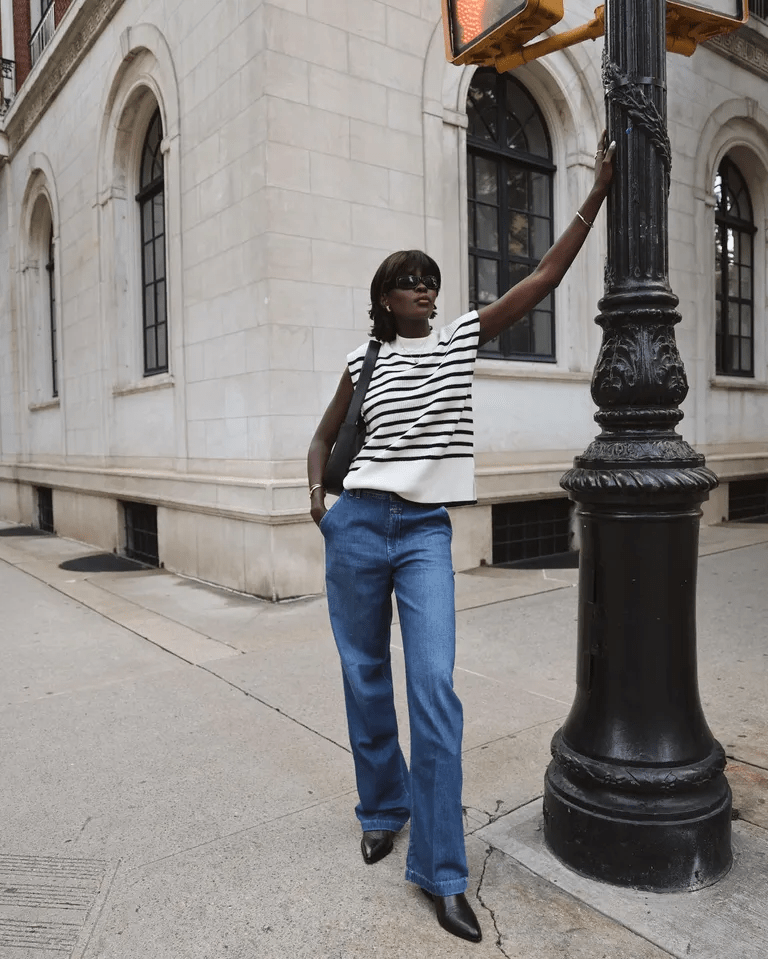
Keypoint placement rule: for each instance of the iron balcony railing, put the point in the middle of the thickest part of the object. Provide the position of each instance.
(7, 84)
(41, 35)
(759, 9)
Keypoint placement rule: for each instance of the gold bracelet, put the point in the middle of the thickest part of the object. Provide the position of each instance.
(586, 223)
(313, 488)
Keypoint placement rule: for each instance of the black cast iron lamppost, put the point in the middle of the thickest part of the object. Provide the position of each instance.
(635, 793)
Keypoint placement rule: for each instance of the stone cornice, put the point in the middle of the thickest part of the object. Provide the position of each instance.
(745, 47)
(74, 36)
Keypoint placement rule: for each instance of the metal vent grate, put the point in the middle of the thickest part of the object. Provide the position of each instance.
(759, 9)
(45, 509)
(44, 903)
(748, 499)
(141, 533)
(530, 529)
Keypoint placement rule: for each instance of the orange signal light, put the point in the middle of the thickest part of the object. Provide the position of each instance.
(469, 18)
(479, 31)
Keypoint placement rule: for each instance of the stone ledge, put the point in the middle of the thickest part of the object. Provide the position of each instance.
(284, 501)
(737, 383)
(162, 382)
(505, 369)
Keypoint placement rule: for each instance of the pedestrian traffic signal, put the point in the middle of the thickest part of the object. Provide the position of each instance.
(495, 32)
(724, 9)
(479, 31)
(689, 24)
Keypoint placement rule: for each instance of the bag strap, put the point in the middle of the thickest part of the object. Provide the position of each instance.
(356, 403)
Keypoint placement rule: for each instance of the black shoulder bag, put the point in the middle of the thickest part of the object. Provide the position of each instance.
(351, 436)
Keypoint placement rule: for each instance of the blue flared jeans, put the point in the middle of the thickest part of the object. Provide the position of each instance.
(377, 543)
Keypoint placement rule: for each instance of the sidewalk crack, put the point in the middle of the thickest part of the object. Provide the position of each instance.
(518, 732)
(745, 762)
(480, 813)
(497, 814)
(275, 709)
(484, 904)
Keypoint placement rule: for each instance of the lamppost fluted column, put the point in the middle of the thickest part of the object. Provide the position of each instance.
(635, 793)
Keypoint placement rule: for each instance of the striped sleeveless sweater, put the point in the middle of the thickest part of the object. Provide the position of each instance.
(418, 414)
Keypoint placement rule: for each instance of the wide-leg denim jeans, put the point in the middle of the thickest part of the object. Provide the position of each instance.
(375, 543)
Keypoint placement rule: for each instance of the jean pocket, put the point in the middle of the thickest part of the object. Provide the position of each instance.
(322, 524)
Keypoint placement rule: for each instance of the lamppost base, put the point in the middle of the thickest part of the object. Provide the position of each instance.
(678, 842)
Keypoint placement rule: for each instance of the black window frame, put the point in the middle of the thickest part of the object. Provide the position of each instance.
(154, 287)
(524, 530)
(141, 537)
(45, 509)
(51, 270)
(507, 159)
(748, 499)
(742, 230)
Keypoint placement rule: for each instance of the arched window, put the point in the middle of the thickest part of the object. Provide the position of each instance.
(49, 266)
(151, 200)
(509, 188)
(734, 274)
(39, 292)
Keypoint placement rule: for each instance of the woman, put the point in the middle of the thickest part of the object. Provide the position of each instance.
(390, 530)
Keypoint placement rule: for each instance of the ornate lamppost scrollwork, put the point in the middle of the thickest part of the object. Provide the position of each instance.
(628, 94)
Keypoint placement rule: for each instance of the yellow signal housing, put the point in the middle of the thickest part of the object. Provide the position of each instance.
(482, 31)
(689, 25)
(495, 32)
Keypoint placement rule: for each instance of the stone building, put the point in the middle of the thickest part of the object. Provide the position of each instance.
(195, 195)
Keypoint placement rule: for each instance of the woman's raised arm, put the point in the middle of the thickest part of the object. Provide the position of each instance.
(515, 303)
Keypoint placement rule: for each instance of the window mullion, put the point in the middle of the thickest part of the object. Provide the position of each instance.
(720, 353)
(503, 194)
(52, 316)
(748, 237)
(504, 272)
(730, 367)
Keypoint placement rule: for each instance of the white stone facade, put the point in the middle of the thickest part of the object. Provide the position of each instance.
(304, 140)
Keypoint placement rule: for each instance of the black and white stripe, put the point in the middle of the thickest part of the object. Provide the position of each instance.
(418, 414)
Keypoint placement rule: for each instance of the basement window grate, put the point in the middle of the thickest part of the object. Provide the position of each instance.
(45, 509)
(748, 499)
(529, 529)
(141, 533)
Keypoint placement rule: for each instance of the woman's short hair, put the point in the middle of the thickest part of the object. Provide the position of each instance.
(396, 264)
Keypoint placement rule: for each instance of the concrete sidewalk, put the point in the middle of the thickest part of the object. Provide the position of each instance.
(177, 780)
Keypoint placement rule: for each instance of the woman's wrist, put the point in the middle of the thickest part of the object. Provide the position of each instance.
(599, 191)
(594, 201)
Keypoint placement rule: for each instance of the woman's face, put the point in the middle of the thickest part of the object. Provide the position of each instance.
(411, 304)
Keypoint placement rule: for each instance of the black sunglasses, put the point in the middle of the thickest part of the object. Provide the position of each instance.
(410, 281)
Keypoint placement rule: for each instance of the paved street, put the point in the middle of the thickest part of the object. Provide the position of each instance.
(177, 781)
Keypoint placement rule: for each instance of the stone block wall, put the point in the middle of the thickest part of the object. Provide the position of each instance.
(304, 140)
